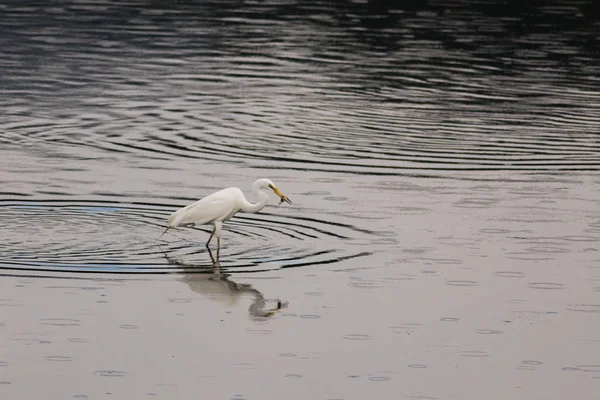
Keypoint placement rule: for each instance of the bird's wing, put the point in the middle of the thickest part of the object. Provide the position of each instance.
(218, 206)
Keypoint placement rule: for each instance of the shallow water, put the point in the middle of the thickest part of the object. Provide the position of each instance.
(442, 159)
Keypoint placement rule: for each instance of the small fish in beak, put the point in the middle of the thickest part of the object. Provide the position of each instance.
(282, 196)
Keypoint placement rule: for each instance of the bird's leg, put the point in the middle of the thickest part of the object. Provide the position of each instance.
(211, 256)
(211, 235)
(168, 227)
(218, 226)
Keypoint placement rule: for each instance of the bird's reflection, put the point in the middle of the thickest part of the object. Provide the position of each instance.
(218, 286)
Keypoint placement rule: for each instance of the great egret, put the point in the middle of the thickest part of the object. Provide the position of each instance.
(221, 206)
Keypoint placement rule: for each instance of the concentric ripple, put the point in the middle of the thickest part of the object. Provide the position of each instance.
(263, 85)
(111, 237)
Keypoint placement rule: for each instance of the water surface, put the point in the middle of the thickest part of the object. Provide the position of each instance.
(443, 162)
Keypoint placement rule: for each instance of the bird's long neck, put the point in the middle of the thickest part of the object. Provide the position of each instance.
(256, 207)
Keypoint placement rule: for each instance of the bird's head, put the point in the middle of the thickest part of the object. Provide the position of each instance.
(268, 184)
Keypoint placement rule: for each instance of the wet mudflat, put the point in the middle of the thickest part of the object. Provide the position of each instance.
(443, 163)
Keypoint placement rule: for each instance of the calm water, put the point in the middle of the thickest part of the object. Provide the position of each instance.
(443, 160)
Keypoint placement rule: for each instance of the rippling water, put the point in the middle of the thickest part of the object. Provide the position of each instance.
(293, 88)
(118, 238)
(443, 159)
(361, 89)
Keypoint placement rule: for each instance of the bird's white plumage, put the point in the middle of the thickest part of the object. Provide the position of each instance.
(219, 206)
(222, 205)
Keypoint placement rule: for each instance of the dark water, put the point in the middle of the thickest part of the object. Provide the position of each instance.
(290, 88)
(360, 88)
(443, 159)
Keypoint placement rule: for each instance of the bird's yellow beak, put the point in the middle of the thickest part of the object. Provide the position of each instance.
(282, 196)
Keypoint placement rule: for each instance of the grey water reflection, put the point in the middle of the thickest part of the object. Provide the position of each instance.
(218, 286)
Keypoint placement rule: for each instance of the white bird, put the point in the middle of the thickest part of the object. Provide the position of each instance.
(221, 206)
